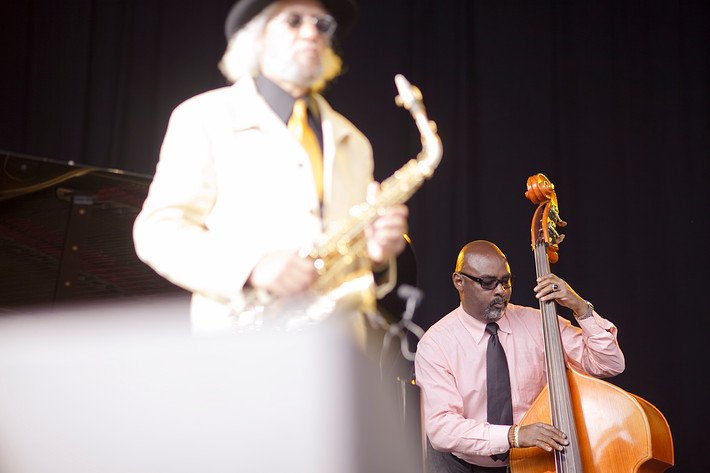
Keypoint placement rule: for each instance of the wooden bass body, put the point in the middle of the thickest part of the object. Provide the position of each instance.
(617, 432)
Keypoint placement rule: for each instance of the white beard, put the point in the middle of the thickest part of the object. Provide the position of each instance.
(287, 68)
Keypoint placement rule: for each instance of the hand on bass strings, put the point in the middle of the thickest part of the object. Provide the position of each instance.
(541, 435)
(283, 273)
(553, 288)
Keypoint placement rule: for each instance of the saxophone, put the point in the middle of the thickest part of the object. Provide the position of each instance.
(345, 279)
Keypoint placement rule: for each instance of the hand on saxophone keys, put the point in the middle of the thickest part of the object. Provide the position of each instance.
(283, 273)
(385, 236)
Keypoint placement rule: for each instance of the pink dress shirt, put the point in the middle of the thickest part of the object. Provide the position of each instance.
(450, 369)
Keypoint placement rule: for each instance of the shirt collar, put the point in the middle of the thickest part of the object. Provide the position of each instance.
(477, 328)
(280, 100)
(277, 98)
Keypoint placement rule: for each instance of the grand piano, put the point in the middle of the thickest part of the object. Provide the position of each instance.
(65, 234)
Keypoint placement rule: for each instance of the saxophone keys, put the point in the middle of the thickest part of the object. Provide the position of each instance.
(357, 211)
(416, 93)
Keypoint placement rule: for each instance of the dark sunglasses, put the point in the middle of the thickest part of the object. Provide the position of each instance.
(325, 24)
(490, 283)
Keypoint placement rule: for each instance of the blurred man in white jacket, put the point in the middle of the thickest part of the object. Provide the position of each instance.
(235, 196)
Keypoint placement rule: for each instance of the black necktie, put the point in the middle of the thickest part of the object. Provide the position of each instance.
(500, 405)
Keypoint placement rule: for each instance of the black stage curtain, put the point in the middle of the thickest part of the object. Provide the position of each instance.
(609, 99)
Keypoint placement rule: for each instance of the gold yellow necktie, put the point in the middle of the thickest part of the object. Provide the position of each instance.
(298, 126)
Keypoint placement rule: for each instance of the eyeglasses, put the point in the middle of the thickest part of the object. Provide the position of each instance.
(325, 24)
(491, 283)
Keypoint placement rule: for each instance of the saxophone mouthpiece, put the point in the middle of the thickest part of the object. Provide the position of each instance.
(409, 96)
(402, 83)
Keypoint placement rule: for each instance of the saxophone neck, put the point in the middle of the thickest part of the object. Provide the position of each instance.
(411, 99)
(432, 150)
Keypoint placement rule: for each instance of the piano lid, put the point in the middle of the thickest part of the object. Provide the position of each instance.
(66, 233)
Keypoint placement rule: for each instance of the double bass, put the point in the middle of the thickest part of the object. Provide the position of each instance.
(609, 430)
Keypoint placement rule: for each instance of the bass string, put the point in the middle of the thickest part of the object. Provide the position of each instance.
(558, 386)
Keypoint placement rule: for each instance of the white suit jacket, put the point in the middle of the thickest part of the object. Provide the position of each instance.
(231, 185)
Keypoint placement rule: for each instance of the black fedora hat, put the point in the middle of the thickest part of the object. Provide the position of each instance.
(344, 12)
